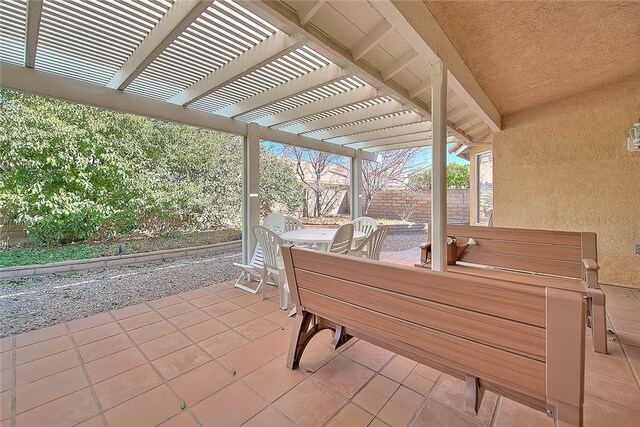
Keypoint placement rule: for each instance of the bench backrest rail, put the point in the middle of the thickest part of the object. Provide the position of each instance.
(494, 332)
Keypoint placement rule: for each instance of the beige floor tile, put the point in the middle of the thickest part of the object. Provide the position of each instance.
(279, 317)
(399, 368)
(150, 332)
(370, 400)
(175, 309)
(435, 414)
(162, 346)
(395, 415)
(369, 355)
(344, 376)
(97, 333)
(165, 302)
(201, 382)
(117, 363)
(269, 417)
(50, 388)
(273, 379)
(223, 343)
(194, 294)
(220, 308)
(90, 322)
(276, 342)
(206, 300)
(204, 330)
(418, 384)
(181, 361)
(124, 386)
(181, 420)
(5, 405)
(140, 320)
(46, 366)
(130, 311)
(263, 308)
(104, 347)
(40, 335)
(245, 359)
(510, 413)
(256, 328)
(611, 390)
(42, 349)
(237, 317)
(601, 413)
(353, 416)
(67, 410)
(148, 409)
(427, 372)
(450, 391)
(407, 398)
(231, 293)
(310, 404)
(229, 407)
(6, 379)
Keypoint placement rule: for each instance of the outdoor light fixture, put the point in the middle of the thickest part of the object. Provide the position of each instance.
(633, 142)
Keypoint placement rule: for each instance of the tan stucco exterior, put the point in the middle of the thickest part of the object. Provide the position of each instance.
(565, 166)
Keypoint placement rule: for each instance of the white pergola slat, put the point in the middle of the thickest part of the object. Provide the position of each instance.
(34, 16)
(172, 24)
(307, 82)
(403, 118)
(398, 139)
(355, 115)
(353, 96)
(383, 133)
(263, 53)
(370, 40)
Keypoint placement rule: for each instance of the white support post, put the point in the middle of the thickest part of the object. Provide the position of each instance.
(250, 190)
(439, 158)
(356, 185)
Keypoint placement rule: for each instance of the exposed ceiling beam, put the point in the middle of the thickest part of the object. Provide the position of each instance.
(42, 83)
(475, 128)
(34, 15)
(286, 19)
(414, 144)
(349, 97)
(369, 41)
(398, 139)
(458, 110)
(468, 119)
(420, 87)
(383, 133)
(372, 125)
(179, 16)
(363, 113)
(274, 135)
(305, 83)
(398, 65)
(270, 49)
(416, 24)
(308, 10)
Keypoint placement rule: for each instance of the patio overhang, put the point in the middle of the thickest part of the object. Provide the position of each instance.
(319, 75)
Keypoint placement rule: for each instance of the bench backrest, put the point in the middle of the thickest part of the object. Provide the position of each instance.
(495, 330)
(557, 253)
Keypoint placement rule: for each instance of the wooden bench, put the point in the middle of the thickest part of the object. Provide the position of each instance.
(568, 259)
(522, 341)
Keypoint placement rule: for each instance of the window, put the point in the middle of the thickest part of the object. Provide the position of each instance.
(484, 187)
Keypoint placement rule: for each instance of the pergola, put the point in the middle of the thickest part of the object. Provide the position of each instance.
(350, 78)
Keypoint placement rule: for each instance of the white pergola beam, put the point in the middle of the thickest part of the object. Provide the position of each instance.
(250, 190)
(307, 82)
(363, 113)
(356, 185)
(32, 81)
(424, 126)
(415, 23)
(308, 10)
(398, 139)
(34, 16)
(372, 125)
(179, 16)
(349, 97)
(368, 42)
(410, 144)
(439, 166)
(398, 65)
(287, 20)
(420, 88)
(270, 49)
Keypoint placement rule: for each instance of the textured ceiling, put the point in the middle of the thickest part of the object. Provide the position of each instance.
(529, 53)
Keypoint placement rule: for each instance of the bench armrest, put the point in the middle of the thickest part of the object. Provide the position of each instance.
(590, 264)
(425, 245)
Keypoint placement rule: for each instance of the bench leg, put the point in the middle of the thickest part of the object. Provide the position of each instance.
(339, 338)
(304, 328)
(598, 319)
(474, 395)
(567, 415)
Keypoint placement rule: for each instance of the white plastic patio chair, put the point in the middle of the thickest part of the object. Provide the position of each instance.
(341, 242)
(272, 265)
(371, 246)
(291, 223)
(365, 225)
(275, 222)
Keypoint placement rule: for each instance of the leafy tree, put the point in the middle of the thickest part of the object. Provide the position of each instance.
(279, 189)
(71, 172)
(458, 176)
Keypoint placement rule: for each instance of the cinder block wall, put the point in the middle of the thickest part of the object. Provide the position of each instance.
(416, 205)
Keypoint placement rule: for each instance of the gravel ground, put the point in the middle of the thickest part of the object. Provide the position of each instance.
(33, 303)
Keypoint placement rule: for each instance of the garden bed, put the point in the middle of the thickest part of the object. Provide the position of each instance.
(36, 254)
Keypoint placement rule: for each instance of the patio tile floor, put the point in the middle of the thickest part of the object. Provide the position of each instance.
(221, 354)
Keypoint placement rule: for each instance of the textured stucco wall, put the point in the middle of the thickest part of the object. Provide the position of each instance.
(565, 166)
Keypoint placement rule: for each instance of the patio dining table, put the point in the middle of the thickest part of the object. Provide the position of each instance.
(320, 237)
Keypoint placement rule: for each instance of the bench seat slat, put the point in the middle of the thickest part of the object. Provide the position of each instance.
(521, 338)
(565, 238)
(541, 265)
(495, 365)
(527, 249)
(503, 299)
